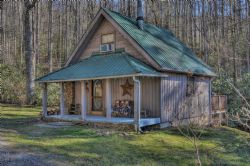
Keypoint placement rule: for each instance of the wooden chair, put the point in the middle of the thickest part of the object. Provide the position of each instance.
(75, 109)
(144, 113)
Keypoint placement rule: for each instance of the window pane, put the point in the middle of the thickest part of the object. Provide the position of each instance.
(98, 88)
(109, 38)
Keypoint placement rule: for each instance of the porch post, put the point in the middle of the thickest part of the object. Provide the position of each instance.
(44, 99)
(83, 100)
(137, 103)
(61, 98)
(108, 99)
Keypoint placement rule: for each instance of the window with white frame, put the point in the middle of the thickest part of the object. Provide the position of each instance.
(107, 43)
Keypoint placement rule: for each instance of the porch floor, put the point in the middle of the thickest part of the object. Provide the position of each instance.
(100, 119)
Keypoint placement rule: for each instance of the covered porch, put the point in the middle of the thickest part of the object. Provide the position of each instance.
(108, 92)
(99, 119)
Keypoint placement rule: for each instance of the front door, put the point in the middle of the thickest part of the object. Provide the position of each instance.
(97, 97)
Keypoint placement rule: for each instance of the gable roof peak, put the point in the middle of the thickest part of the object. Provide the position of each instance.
(166, 52)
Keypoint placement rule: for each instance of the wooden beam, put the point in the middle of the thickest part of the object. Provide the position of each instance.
(210, 103)
(83, 100)
(137, 103)
(44, 99)
(62, 98)
(108, 98)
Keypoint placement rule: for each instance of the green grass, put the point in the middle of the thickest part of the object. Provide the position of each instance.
(84, 145)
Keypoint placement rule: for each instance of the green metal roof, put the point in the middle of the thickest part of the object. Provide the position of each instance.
(163, 47)
(101, 66)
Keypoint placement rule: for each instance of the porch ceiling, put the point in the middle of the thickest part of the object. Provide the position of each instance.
(117, 64)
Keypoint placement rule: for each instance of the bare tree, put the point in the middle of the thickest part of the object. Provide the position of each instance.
(28, 51)
(241, 116)
(1, 30)
(50, 4)
(190, 121)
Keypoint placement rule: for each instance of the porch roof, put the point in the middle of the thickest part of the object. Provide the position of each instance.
(117, 64)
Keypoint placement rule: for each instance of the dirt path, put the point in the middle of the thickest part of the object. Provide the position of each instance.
(10, 156)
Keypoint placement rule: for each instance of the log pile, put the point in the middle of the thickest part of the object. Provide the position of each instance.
(53, 111)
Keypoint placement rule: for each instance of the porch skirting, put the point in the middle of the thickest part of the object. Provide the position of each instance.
(99, 119)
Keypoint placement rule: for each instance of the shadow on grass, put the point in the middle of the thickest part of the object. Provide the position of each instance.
(83, 145)
(232, 146)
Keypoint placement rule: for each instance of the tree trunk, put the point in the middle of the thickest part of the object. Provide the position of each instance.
(248, 39)
(37, 34)
(27, 37)
(49, 35)
(129, 8)
(66, 33)
(1, 28)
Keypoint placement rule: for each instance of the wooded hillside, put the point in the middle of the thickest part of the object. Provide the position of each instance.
(37, 37)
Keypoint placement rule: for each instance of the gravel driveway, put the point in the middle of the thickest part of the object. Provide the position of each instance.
(9, 156)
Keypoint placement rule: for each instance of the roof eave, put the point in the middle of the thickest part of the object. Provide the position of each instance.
(187, 73)
(104, 77)
(84, 37)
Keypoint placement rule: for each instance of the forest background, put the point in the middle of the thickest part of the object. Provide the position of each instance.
(37, 37)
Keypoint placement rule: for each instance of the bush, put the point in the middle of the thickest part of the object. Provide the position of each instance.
(53, 94)
(13, 84)
(235, 102)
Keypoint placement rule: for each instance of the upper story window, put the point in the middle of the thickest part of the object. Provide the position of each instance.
(107, 43)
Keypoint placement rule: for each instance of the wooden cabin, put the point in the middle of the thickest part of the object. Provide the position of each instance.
(128, 71)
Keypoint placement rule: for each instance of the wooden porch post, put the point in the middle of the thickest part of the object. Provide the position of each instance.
(62, 99)
(83, 100)
(137, 103)
(44, 99)
(108, 98)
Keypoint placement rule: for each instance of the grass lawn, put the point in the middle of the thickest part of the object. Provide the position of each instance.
(85, 145)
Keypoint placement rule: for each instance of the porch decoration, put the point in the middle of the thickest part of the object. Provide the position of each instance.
(127, 88)
(123, 108)
(53, 111)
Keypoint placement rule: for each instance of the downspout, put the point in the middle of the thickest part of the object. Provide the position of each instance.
(210, 101)
(138, 96)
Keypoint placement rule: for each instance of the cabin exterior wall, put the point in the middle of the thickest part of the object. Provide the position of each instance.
(120, 42)
(117, 91)
(150, 93)
(176, 105)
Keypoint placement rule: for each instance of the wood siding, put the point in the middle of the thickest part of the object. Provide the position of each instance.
(173, 92)
(116, 90)
(120, 42)
(150, 95)
(77, 92)
(176, 105)
(88, 94)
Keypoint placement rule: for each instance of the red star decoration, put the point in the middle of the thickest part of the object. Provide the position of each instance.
(127, 88)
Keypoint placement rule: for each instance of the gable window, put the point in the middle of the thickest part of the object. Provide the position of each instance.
(107, 43)
(190, 91)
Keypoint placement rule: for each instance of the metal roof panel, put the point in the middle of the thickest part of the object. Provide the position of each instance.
(109, 65)
(167, 50)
